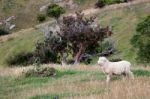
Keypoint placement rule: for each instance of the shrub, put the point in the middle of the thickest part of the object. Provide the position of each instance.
(41, 17)
(102, 3)
(141, 40)
(3, 32)
(41, 72)
(55, 10)
(47, 51)
(22, 58)
(141, 72)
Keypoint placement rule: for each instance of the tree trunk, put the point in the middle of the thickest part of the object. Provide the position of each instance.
(79, 53)
(63, 59)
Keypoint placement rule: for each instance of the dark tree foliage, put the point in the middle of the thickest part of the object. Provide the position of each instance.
(41, 17)
(102, 3)
(49, 50)
(141, 40)
(55, 11)
(23, 58)
(80, 33)
(3, 32)
(75, 37)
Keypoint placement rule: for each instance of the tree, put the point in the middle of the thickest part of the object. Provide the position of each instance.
(80, 33)
(71, 37)
(3, 31)
(141, 40)
(55, 11)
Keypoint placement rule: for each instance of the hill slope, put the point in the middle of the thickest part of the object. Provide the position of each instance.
(123, 20)
(26, 11)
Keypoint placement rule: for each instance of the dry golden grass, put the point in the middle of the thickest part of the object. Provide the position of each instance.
(123, 89)
(84, 86)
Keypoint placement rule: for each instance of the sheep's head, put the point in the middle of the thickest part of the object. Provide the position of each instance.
(102, 61)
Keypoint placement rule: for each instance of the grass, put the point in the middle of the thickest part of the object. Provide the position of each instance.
(25, 42)
(15, 85)
(26, 11)
(123, 22)
(80, 82)
(74, 83)
(141, 72)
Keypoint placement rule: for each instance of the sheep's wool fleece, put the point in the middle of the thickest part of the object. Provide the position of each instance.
(118, 67)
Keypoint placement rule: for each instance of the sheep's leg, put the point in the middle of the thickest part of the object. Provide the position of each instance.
(108, 78)
(130, 74)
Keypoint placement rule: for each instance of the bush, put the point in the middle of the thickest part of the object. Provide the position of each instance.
(47, 51)
(141, 72)
(3, 32)
(41, 72)
(22, 58)
(141, 40)
(102, 3)
(55, 10)
(41, 17)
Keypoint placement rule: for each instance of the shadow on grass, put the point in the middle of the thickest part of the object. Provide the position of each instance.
(136, 72)
(68, 95)
(51, 96)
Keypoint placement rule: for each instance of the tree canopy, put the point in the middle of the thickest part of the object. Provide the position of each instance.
(141, 40)
(81, 32)
(75, 35)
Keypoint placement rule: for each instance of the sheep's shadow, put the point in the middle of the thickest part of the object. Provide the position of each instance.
(116, 77)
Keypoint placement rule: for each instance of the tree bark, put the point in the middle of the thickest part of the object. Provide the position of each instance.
(79, 53)
(63, 59)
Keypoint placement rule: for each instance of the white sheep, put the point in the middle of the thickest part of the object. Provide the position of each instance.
(115, 68)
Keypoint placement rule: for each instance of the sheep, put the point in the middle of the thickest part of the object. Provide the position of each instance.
(115, 68)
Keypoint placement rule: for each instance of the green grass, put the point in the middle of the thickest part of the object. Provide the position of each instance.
(25, 42)
(51, 96)
(16, 87)
(26, 11)
(141, 72)
(67, 94)
(123, 22)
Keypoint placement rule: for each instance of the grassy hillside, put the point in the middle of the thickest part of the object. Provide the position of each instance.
(81, 82)
(123, 20)
(23, 41)
(26, 10)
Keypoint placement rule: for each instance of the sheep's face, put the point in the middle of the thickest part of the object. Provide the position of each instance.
(102, 61)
